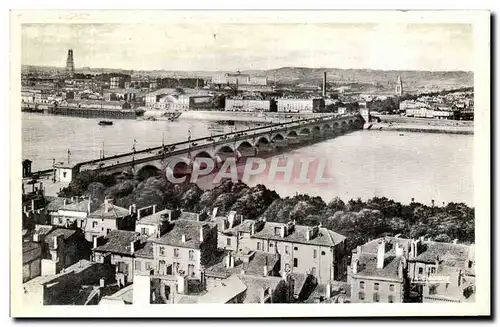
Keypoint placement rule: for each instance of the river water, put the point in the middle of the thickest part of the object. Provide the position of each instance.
(360, 164)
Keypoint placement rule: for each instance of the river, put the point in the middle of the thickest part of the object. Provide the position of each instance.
(360, 164)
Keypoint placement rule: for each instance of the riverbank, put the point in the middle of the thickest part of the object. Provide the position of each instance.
(219, 115)
(409, 127)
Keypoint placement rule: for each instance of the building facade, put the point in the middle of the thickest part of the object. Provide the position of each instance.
(247, 105)
(300, 105)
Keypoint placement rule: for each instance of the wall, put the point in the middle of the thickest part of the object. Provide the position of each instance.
(222, 242)
(150, 229)
(183, 260)
(31, 269)
(102, 227)
(247, 105)
(384, 290)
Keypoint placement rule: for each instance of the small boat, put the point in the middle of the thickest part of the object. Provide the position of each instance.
(172, 116)
(105, 123)
(401, 134)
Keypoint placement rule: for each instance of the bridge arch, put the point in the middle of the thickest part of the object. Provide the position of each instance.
(305, 130)
(327, 127)
(316, 129)
(147, 171)
(277, 137)
(244, 145)
(262, 140)
(224, 148)
(201, 154)
(292, 133)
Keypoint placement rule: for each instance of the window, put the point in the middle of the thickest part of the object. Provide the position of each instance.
(228, 241)
(420, 270)
(295, 262)
(277, 231)
(391, 287)
(258, 246)
(315, 254)
(433, 270)
(390, 299)
(138, 265)
(361, 296)
(108, 231)
(94, 224)
(191, 254)
(143, 231)
(148, 265)
(362, 285)
(376, 297)
(375, 286)
(323, 253)
(295, 248)
(162, 251)
(122, 267)
(176, 253)
(64, 174)
(271, 244)
(286, 249)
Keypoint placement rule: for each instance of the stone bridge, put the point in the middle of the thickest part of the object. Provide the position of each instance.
(242, 143)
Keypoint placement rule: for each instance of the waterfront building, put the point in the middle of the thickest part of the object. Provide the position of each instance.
(239, 79)
(106, 218)
(300, 105)
(247, 105)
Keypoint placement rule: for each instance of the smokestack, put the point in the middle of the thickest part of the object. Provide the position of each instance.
(201, 234)
(324, 85)
(380, 255)
(132, 247)
(94, 239)
(55, 242)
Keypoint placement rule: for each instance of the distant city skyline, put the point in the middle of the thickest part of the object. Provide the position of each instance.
(232, 47)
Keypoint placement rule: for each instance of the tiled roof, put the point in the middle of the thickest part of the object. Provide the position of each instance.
(113, 212)
(189, 228)
(66, 233)
(119, 242)
(451, 254)
(55, 204)
(255, 285)
(81, 205)
(324, 236)
(245, 226)
(367, 266)
(153, 219)
(146, 251)
(254, 267)
(224, 291)
(42, 230)
(31, 251)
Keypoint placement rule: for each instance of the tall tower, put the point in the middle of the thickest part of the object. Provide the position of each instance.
(399, 87)
(324, 85)
(70, 65)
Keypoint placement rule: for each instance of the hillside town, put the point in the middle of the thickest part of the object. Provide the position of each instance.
(84, 251)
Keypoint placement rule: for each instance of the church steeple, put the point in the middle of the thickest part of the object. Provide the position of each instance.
(399, 87)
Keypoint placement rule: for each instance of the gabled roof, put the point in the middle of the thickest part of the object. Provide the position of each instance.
(324, 236)
(113, 212)
(119, 242)
(367, 266)
(189, 228)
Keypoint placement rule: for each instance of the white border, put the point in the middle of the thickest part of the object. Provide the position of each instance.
(482, 155)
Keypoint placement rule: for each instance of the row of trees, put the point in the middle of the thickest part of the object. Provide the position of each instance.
(360, 221)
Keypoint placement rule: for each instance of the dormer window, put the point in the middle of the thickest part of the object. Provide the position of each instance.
(277, 231)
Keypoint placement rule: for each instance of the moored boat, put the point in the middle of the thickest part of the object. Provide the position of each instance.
(105, 123)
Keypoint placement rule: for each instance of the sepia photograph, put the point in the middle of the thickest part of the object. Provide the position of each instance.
(322, 163)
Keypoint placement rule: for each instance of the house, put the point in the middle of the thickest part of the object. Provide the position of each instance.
(303, 249)
(152, 224)
(106, 217)
(378, 272)
(185, 248)
(119, 251)
(73, 212)
(395, 269)
(61, 249)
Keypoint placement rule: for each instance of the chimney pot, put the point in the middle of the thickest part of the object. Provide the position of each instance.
(132, 247)
(201, 234)
(183, 238)
(94, 241)
(55, 242)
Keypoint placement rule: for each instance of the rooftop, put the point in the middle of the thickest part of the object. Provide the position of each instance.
(324, 236)
(65, 233)
(189, 228)
(111, 212)
(119, 242)
(224, 291)
(367, 266)
(255, 285)
(123, 296)
(153, 219)
(254, 266)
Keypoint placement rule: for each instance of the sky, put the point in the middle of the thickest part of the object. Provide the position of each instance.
(232, 47)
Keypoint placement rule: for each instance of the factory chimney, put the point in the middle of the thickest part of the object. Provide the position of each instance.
(324, 85)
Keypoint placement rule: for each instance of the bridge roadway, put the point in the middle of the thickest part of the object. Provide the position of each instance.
(140, 157)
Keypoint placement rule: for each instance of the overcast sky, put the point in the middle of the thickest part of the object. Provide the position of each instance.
(242, 47)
